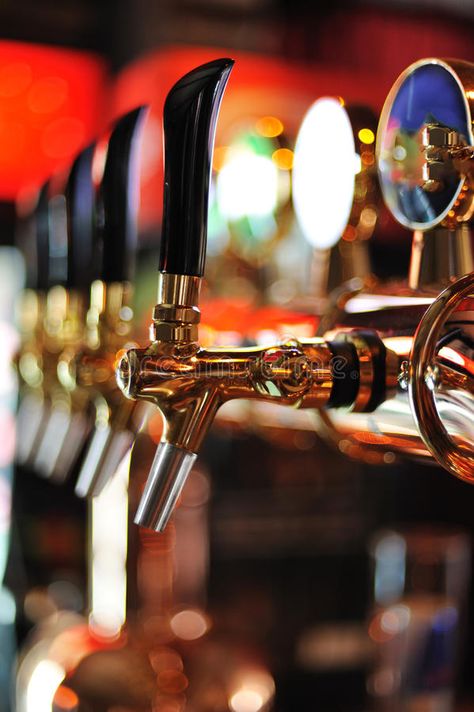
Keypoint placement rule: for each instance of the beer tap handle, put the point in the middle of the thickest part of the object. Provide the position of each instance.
(190, 117)
(118, 199)
(79, 194)
(41, 218)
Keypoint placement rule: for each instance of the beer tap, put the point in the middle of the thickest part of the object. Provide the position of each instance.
(57, 311)
(71, 223)
(189, 383)
(33, 243)
(91, 370)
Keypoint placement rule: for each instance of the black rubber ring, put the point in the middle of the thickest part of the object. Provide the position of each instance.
(379, 361)
(345, 374)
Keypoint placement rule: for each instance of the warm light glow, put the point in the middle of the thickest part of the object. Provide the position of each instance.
(98, 162)
(155, 426)
(453, 356)
(247, 185)
(246, 701)
(395, 619)
(189, 624)
(254, 691)
(62, 136)
(42, 686)
(109, 554)
(374, 302)
(368, 217)
(324, 167)
(389, 623)
(65, 699)
(367, 158)
(219, 157)
(172, 682)
(366, 136)
(47, 95)
(283, 158)
(269, 126)
(357, 164)
(15, 78)
(349, 234)
(400, 344)
(163, 658)
(399, 153)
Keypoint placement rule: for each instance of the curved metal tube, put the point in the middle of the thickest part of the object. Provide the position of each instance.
(424, 374)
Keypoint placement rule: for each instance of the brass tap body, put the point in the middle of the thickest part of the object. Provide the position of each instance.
(91, 372)
(189, 383)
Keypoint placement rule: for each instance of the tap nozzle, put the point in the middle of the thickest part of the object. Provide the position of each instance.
(168, 474)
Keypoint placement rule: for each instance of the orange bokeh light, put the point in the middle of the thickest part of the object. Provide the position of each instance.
(65, 699)
(283, 158)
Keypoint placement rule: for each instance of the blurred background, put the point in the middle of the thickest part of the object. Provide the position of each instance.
(302, 552)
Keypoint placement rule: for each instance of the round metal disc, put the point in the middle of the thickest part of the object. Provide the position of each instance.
(428, 92)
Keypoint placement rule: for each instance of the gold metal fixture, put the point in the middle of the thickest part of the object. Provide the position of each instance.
(91, 370)
(189, 384)
(64, 422)
(29, 361)
(176, 315)
(361, 369)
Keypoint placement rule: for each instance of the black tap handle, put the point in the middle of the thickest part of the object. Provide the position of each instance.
(25, 241)
(189, 123)
(118, 199)
(80, 203)
(41, 229)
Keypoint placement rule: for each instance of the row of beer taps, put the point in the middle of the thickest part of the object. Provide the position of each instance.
(77, 325)
(82, 236)
(385, 358)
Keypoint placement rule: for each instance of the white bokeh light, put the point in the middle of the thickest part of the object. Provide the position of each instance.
(247, 185)
(324, 168)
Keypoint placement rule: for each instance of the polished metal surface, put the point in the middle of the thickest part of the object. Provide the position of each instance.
(440, 256)
(189, 384)
(422, 184)
(56, 445)
(176, 315)
(166, 480)
(90, 371)
(390, 432)
(426, 373)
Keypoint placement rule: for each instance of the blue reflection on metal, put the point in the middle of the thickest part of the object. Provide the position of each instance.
(429, 95)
